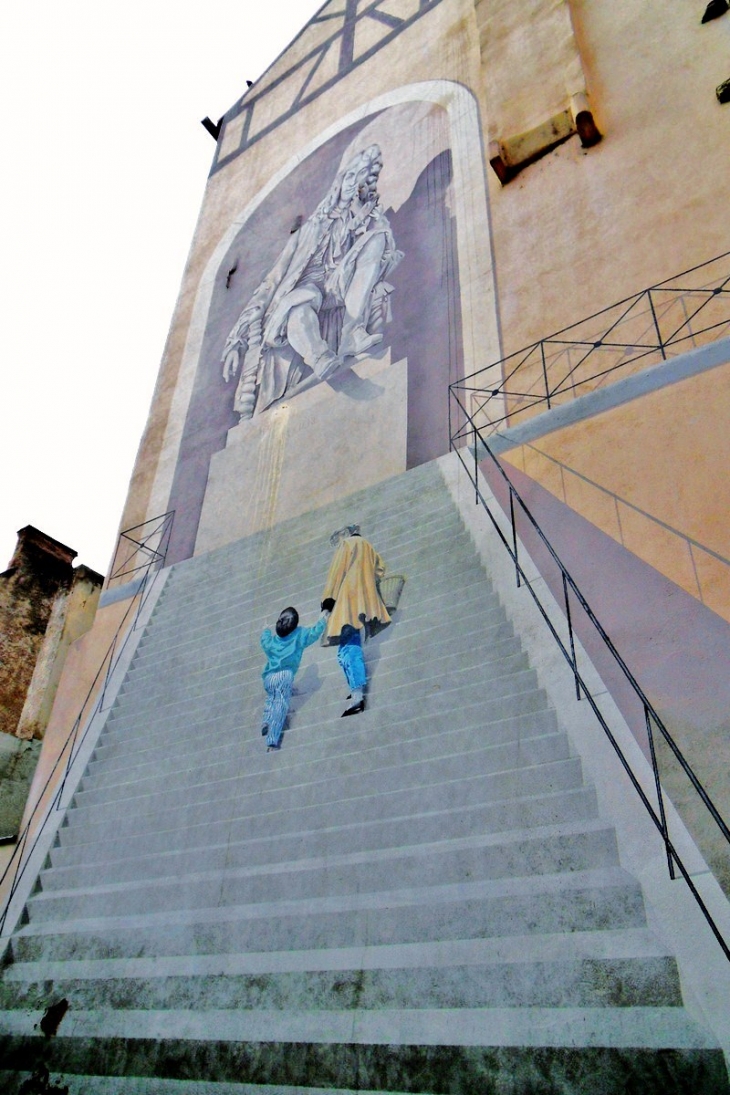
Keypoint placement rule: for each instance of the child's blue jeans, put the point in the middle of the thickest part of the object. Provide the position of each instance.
(349, 655)
(278, 694)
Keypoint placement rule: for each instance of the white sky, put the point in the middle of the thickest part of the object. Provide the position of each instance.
(105, 166)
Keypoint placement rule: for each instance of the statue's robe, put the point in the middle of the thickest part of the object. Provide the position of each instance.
(279, 367)
(352, 581)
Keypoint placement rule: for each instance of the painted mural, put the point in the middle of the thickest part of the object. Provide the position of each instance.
(325, 302)
(334, 328)
(357, 602)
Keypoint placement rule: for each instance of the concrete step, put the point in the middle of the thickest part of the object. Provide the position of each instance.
(289, 557)
(359, 795)
(544, 778)
(565, 981)
(386, 658)
(386, 671)
(476, 616)
(211, 695)
(412, 555)
(467, 859)
(422, 738)
(394, 654)
(588, 946)
(237, 845)
(434, 599)
(580, 1047)
(312, 848)
(420, 898)
(178, 749)
(240, 721)
(605, 898)
(395, 764)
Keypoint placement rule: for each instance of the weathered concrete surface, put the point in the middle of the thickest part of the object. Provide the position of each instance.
(72, 615)
(40, 570)
(18, 760)
(44, 606)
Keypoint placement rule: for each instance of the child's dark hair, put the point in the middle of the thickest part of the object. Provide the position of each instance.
(284, 629)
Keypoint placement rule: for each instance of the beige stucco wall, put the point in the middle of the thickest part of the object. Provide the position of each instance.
(72, 616)
(574, 231)
(76, 694)
(581, 229)
(652, 475)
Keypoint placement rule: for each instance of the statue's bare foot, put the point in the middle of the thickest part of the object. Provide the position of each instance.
(358, 341)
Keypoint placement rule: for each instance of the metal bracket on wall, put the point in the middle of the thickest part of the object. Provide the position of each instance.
(508, 156)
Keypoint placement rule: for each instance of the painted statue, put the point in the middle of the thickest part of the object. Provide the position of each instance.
(325, 301)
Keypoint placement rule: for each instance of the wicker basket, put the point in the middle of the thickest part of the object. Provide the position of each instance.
(390, 588)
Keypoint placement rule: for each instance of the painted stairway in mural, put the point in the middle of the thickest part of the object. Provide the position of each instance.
(422, 898)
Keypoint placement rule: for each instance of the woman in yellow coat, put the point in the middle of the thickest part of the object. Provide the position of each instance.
(352, 593)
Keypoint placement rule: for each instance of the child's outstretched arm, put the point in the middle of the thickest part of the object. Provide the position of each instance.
(313, 633)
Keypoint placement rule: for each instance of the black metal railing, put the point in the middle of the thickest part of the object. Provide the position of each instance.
(95, 701)
(623, 683)
(677, 315)
(139, 548)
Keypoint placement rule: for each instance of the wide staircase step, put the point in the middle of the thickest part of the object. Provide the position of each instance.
(420, 899)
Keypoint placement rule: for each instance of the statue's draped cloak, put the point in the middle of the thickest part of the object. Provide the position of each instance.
(279, 367)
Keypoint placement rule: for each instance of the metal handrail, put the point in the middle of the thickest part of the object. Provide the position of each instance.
(650, 326)
(141, 546)
(481, 450)
(24, 848)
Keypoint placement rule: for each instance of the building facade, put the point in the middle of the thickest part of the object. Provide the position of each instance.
(450, 251)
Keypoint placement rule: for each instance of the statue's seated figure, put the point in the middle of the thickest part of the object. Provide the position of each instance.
(326, 298)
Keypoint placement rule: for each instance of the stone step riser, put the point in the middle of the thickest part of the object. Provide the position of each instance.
(575, 839)
(274, 810)
(408, 763)
(398, 640)
(120, 741)
(403, 643)
(357, 795)
(423, 602)
(419, 683)
(387, 666)
(578, 983)
(586, 908)
(409, 745)
(218, 649)
(296, 547)
(578, 852)
(307, 566)
(235, 1066)
(305, 578)
(222, 845)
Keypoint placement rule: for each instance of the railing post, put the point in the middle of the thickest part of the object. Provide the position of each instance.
(570, 635)
(514, 534)
(544, 373)
(659, 793)
(660, 340)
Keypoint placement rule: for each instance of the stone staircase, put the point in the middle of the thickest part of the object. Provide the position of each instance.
(418, 899)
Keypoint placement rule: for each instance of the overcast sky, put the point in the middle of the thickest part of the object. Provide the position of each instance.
(105, 165)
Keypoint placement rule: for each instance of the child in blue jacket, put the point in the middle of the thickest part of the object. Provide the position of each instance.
(283, 656)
